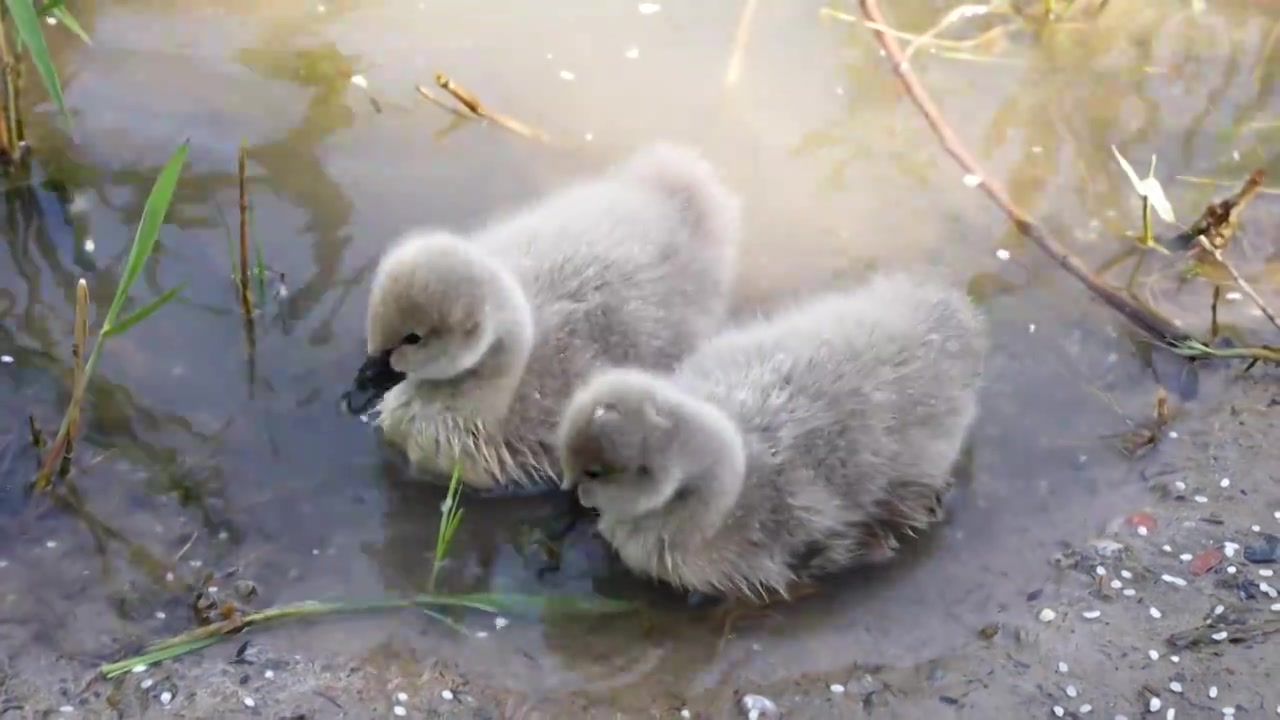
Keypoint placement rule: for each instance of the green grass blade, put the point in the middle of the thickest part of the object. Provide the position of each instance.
(111, 670)
(260, 268)
(65, 17)
(144, 242)
(27, 22)
(143, 312)
(551, 604)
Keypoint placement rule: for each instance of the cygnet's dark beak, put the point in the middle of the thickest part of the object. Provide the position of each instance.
(374, 378)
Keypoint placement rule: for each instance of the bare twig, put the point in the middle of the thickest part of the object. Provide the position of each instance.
(426, 93)
(471, 103)
(80, 336)
(740, 38)
(1146, 319)
(1235, 275)
(245, 301)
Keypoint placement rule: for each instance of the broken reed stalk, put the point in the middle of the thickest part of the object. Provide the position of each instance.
(1235, 275)
(1146, 319)
(245, 301)
(426, 93)
(740, 39)
(471, 103)
(80, 338)
(11, 141)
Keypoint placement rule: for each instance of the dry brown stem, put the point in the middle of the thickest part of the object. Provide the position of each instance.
(426, 93)
(241, 166)
(740, 39)
(1207, 246)
(470, 102)
(1146, 319)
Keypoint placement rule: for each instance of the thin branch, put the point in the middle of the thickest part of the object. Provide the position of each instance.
(1146, 319)
(1235, 275)
(426, 93)
(471, 103)
(740, 39)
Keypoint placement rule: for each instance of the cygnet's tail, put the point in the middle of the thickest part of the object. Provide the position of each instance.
(711, 210)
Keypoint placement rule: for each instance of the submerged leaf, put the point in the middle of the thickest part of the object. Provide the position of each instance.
(27, 23)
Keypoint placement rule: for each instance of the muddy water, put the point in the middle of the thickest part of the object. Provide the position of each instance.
(237, 463)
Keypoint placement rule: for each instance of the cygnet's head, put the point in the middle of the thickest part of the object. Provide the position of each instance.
(433, 310)
(631, 443)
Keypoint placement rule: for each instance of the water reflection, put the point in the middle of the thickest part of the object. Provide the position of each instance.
(840, 177)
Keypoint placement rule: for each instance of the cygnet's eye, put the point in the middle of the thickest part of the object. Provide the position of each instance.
(595, 472)
(411, 339)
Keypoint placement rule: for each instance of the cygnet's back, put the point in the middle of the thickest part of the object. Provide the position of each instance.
(633, 267)
(788, 447)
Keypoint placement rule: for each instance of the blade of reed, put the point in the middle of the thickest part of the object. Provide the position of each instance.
(27, 23)
(143, 312)
(144, 243)
(64, 16)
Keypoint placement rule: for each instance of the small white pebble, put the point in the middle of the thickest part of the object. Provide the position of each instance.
(1266, 572)
(1173, 434)
(1155, 612)
(1062, 667)
(1101, 571)
(1154, 705)
(648, 8)
(166, 697)
(1229, 711)
(360, 81)
(51, 544)
(1174, 580)
(146, 683)
(399, 711)
(1232, 569)
(1122, 717)
(837, 688)
(1256, 528)
(1200, 499)
(971, 180)
(1175, 659)
(1172, 712)
(1091, 614)
(1264, 587)
(446, 694)
(160, 615)
(1175, 686)
(501, 622)
(1219, 636)
(1153, 654)
(1219, 609)
(1003, 254)
(1059, 710)
(1130, 592)
(1276, 514)
(1229, 549)
(66, 709)
(1116, 584)
(1085, 709)
(249, 702)
(1126, 574)
(1142, 530)
(1213, 691)
(684, 713)
(138, 669)
(1224, 482)
(1166, 548)
(1179, 485)
(566, 75)
(1047, 615)
(482, 634)
(402, 697)
(1072, 691)
(269, 674)
(1275, 607)
(1186, 557)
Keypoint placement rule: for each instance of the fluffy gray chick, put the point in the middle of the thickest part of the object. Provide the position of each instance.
(786, 448)
(475, 343)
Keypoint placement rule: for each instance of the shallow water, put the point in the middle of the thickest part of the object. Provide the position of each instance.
(188, 437)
